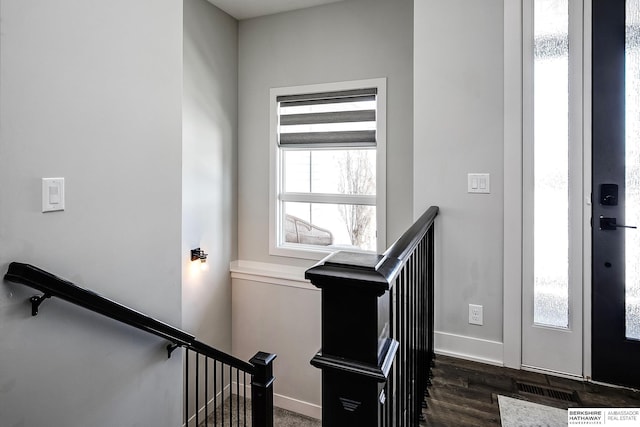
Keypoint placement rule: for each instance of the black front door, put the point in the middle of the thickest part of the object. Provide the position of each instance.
(616, 191)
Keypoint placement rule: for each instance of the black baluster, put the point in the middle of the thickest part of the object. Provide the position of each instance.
(230, 394)
(222, 393)
(206, 391)
(238, 397)
(186, 388)
(244, 395)
(197, 389)
(215, 393)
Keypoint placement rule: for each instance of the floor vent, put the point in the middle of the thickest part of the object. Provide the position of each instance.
(565, 396)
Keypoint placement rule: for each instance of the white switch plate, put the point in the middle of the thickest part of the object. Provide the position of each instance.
(52, 194)
(479, 183)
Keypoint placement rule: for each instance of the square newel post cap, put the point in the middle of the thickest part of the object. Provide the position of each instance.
(263, 359)
(263, 363)
(369, 273)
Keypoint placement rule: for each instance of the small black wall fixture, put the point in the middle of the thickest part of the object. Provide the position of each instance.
(198, 254)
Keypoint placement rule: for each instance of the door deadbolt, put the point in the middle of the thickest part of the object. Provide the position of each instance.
(609, 194)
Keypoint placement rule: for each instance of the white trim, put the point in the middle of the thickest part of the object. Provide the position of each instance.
(381, 166)
(587, 159)
(298, 406)
(528, 194)
(618, 386)
(274, 165)
(576, 190)
(552, 372)
(512, 260)
(273, 274)
(349, 199)
(469, 348)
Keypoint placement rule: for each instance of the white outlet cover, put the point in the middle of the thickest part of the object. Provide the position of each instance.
(475, 314)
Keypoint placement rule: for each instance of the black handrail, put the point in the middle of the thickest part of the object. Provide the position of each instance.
(402, 247)
(54, 286)
(260, 367)
(370, 270)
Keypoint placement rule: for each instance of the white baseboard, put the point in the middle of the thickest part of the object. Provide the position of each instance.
(469, 348)
(294, 405)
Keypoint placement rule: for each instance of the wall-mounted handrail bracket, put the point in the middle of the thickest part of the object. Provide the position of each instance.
(36, 300)
(171, 348)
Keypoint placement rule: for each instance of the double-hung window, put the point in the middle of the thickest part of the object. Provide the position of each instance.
(328, 168)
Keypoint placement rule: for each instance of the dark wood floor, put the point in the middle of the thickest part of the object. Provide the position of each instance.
(465, 393)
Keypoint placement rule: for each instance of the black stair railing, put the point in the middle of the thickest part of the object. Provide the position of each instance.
(215, 385)
(377, 331)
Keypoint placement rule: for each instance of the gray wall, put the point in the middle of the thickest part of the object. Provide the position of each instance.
(91, 91)
(351, 40)
(458, 122)
(210, 123)
(284, 320)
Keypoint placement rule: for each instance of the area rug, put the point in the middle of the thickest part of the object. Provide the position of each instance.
(520, 413)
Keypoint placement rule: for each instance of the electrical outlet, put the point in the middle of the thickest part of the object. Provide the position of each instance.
(475, 314)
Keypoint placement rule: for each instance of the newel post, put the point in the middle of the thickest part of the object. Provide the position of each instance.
(357, 352)
(262, 390)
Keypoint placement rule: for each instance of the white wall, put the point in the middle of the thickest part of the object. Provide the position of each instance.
(458, 128)
(91, 91)
(209, 187)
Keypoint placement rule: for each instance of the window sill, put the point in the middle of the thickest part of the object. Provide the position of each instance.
(275, 274)
(300, 251)
(310, 252)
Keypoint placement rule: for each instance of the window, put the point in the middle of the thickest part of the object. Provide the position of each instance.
(328, 168)
(551, 166)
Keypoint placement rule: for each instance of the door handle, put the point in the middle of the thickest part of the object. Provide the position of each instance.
(610, 224)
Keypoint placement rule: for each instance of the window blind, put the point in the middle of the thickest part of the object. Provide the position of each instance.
(328, 119)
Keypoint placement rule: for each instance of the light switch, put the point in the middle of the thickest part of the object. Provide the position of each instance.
(52, 194)
(478, 183)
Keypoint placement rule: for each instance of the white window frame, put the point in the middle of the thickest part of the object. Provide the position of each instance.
(313, 252)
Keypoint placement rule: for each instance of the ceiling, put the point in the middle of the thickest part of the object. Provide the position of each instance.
(244, 9)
